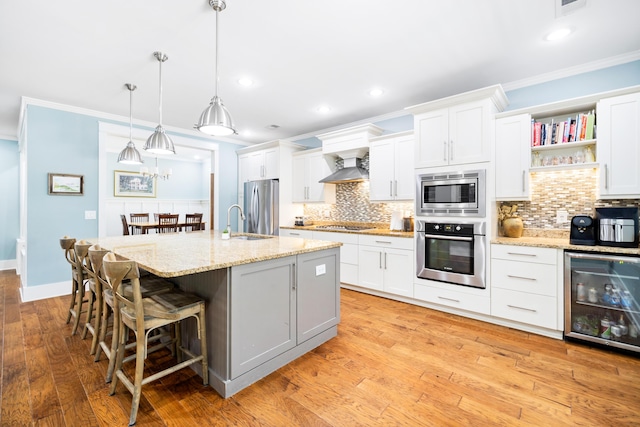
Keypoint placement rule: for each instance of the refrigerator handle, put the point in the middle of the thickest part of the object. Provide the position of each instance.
(256, 209)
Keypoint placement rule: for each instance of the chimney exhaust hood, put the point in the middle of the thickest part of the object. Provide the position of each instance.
(351, 172)
(351, 145)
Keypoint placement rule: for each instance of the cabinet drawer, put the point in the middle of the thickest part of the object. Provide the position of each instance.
(525, 253)
(538, 310)
(387, 242)
(451, 298)
(304, 234)
(522, 276)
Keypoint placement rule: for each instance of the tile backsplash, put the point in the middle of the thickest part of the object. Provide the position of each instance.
(352, 204)
(574, 190)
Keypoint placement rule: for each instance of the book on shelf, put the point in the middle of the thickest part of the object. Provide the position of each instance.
(579, 128)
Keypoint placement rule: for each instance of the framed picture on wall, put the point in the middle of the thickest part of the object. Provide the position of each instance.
(63, 184)
(133, 184)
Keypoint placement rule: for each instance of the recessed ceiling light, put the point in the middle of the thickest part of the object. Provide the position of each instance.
(245, 81)
(558, 34)
(375, 92)
(324, 109)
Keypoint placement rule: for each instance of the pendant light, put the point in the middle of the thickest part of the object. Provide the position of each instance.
(215, 119)
(159, 142)
(130, 155)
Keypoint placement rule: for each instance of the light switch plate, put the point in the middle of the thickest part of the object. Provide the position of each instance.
(321, 269)
(89, 214)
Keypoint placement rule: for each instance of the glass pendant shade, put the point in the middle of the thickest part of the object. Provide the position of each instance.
(159, 142)
(130, 156)
(216, 120)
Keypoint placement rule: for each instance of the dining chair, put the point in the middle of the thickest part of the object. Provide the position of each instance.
(149, 285)
(156, 215)
(125, 225)
(167, 223)
(141, 316)
(193, 222)
(136, 218)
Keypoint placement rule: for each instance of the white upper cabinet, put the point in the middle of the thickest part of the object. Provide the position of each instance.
(618, 149)
(309, 167)
(458, 129)
(257, 165)
(391, 170)
(513, 136)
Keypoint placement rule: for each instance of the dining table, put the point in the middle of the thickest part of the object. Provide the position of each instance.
(145, 226)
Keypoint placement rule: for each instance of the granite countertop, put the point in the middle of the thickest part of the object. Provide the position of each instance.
(561, 243)
(377, 229)
(180, 254)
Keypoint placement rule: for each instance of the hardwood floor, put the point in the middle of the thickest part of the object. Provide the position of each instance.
(391, 364)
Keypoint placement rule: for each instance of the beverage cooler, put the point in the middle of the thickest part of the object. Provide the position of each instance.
(602, 296)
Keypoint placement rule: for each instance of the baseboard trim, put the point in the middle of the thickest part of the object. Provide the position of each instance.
(8, 264)
(50, 290)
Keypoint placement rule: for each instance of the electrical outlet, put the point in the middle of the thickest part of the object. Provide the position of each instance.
(562, 216)
(321, 269)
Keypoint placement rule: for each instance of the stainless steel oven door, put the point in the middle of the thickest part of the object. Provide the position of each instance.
(452, 259)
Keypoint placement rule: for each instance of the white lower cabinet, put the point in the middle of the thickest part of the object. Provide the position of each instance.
(348, 254)
(386, 264)
(525, 285)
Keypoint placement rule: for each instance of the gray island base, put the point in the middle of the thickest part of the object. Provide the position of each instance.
(268, 301)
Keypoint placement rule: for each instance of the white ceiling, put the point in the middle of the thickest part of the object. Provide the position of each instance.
(300, 53)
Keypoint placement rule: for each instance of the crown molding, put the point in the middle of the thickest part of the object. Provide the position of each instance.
(573, 71)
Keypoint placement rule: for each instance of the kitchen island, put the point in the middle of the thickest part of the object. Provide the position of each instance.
(269, 299)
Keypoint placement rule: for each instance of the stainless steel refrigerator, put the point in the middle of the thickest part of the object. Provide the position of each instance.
(261, 207)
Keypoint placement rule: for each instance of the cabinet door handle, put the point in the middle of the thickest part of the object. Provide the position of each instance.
(522, 277)
(294, 234)
(448, 299)
(606, 176)
(390, 188)
(395, 190)
(383, 242)
(451, 150)
(445, 151)
(385, 260)
(293, 276)
(380, 260)
(519, 253)
(522, 308)
(523, 181)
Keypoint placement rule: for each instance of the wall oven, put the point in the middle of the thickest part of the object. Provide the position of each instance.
(451, 252)
(451, 193)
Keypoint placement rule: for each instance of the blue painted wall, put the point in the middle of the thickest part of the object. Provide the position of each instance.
(606, 79)
(9, 198)
(64, 142)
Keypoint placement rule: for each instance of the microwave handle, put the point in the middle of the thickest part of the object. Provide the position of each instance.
(441, 237)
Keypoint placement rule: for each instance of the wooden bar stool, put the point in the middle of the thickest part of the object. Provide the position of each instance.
(149, 285)
(78, 278)
(144, 315)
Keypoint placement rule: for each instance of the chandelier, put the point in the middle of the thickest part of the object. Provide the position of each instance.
(156, 172)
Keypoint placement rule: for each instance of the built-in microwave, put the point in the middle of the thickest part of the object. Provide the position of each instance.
(451, 193)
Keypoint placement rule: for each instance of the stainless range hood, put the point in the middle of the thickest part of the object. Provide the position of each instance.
(351, 172)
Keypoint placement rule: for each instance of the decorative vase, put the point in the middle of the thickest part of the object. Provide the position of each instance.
(512, 227)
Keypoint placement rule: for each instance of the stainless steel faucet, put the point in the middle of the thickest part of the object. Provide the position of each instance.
(229, 215)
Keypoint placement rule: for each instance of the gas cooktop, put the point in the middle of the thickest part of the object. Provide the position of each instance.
(344, 227)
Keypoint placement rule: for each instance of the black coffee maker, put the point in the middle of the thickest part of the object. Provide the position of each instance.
(583, 231)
